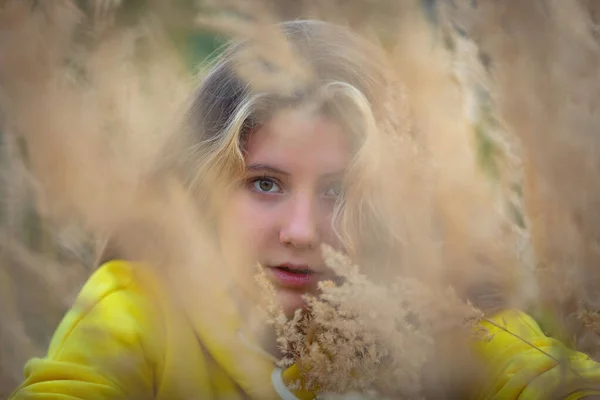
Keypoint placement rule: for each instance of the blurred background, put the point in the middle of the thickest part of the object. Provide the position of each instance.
(505, 96)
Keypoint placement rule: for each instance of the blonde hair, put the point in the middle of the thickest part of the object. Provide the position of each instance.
(347, 80)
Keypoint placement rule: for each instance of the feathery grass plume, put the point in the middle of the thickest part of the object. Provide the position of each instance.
(375, 19)
(24, 36)
(267, 62)
(589, 338)
(478, 239)
(543, 59)
(364, 337)
(93, 110)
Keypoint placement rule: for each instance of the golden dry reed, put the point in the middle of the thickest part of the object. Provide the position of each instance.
(491, 160)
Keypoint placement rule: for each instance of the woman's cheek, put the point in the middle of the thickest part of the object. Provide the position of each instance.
(327, 228)
(252, 220)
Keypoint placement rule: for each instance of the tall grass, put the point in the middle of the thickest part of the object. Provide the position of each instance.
(494, 172)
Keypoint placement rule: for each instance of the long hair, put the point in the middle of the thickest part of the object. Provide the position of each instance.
(345, 77)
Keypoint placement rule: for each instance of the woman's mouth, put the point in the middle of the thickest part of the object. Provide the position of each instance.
(294, 276)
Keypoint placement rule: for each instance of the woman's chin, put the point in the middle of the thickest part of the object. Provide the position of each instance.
(290, 301)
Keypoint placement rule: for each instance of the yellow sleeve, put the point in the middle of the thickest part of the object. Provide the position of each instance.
(523, 363)
(98, 351)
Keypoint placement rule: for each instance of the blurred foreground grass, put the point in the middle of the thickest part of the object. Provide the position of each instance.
(43, 266)
(33, 299)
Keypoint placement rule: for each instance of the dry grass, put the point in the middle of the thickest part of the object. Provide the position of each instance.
(542, 60)
(363, 337)
(494, 169)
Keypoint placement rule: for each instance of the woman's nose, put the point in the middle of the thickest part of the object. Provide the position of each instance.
(300, 226)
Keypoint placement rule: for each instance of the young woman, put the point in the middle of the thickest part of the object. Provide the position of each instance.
(285, 163)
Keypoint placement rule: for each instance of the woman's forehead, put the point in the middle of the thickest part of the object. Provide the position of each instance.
(300, 139)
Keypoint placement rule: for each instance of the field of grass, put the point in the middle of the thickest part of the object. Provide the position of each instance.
(503, 98)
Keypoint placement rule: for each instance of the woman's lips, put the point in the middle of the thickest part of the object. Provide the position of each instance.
(294, 276)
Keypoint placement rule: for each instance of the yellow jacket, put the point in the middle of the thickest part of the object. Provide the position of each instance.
(125, 339)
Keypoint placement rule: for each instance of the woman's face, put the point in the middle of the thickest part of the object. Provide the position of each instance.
(283, 210)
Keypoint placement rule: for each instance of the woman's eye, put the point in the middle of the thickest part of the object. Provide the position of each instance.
(334, 190)
(265, 185)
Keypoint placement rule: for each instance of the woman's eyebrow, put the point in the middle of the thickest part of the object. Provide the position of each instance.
(258, 167)
(335, 174)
